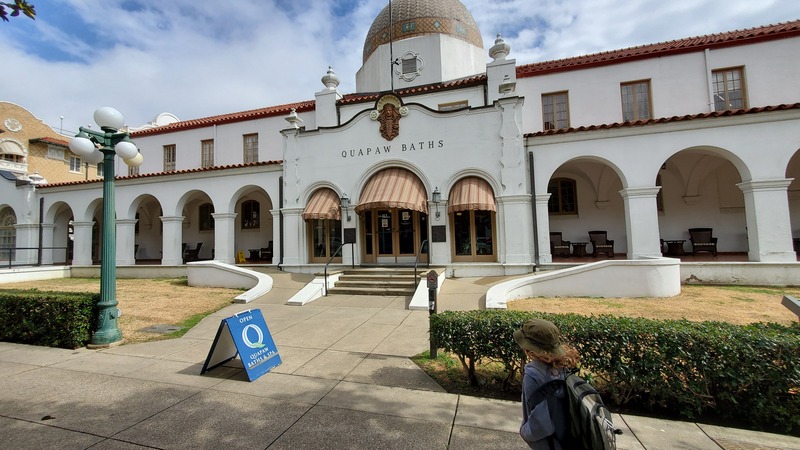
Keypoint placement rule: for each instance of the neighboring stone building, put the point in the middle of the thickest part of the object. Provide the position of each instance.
(483, 160)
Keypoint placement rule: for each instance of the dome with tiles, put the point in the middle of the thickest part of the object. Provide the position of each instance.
(422, 17)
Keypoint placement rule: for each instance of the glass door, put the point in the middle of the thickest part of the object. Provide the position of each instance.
(385, 233)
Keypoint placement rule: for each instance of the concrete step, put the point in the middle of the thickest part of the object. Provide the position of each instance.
(373, 290)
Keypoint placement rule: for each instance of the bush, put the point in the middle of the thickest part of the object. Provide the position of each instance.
(748, 373)
(53, 319)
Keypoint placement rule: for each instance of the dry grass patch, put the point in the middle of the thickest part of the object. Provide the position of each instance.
(733, 304)
(146, 302)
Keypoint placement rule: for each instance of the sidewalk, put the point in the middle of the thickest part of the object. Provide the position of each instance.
(345, 382)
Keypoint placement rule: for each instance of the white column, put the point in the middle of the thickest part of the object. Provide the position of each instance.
(81, 245)
(171, 240)
(293, 236)
(769, 228)
(276, 236)
(543, 228)
(641, 222)
(516, 224)
(224, 234)
(126, 238)
(27, 237)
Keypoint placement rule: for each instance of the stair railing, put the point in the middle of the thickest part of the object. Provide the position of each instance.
(337, 252)
(416, 261)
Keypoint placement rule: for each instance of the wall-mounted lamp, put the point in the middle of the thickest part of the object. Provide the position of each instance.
(436, 197)
(344, 202)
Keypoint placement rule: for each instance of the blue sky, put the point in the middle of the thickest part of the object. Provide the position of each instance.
(198, 58)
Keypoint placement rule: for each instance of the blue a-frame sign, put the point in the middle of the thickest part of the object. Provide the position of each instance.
(247, 336)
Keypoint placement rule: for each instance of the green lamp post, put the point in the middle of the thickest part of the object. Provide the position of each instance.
(95, 147)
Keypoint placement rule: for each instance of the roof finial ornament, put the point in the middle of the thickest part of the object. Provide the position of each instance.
(294, 119)
(330, 80)
(500, 49)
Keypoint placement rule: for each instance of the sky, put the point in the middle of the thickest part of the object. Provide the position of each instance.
(198, 58)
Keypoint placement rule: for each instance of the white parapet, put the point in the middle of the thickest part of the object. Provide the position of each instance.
(656, 277)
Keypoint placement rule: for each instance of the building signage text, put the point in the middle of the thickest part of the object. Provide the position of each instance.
(387, 149)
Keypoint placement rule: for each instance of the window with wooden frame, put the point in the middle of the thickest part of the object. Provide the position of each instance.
(100, 170)
(206, 220)
(207, 153)
(169, 158)
(729, 89)
(251, 215)
(75, 164)
(636, 101)
(555, 111)
(563, 196)
(250, 148)
(133, 171)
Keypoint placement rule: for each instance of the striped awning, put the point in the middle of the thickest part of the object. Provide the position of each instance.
(471, 193)
(324, 204)
(393, 188)
(11, 148)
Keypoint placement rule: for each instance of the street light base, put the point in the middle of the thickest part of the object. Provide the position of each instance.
(101, 346)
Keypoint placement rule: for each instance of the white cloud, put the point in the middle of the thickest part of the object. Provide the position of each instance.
(197, 58)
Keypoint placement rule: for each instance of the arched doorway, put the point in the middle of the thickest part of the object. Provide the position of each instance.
(393, 210)
(472, 210)
(324, 226)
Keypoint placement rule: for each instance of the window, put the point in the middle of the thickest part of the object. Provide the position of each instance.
(728, 89)
(409, 65)
(8, 234)
(251, 215)
(250, 148)
(55, 152)
(635, 101)
(563, 196)
(325, 239)
(169, 158)
(207, 150)
(74, 164)
(206, 218)
(555, 113)
(100, 169)
(473, 233)
(133, 171)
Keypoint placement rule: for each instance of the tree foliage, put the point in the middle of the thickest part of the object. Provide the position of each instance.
(19, 6)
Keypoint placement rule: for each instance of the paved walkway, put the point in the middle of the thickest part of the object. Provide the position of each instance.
(345, 382)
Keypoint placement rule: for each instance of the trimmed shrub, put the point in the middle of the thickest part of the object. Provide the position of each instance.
(747, 373)
(52, 319)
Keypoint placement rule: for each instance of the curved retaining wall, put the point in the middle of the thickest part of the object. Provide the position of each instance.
(658, 277)
(217, 274)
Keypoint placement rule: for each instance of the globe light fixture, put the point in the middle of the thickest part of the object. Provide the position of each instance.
(95, 147)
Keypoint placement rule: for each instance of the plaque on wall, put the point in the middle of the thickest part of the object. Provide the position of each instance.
(349, 235)
(439, 233)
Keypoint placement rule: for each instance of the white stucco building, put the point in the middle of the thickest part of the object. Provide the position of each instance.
(458, 145)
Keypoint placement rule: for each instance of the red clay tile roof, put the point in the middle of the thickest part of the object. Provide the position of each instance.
(476, 80)
(49, 140)
(639, 123)
(693, 44)
(163, 174)
(269, 111)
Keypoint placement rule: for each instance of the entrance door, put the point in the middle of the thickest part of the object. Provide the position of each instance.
(394, 235)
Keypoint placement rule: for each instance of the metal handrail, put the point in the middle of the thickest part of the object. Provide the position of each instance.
(325, 271)
(12, 251)
(416, 261)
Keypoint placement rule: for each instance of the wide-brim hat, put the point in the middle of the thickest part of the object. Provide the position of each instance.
(541, 336)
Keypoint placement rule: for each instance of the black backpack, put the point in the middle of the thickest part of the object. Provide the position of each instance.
(581, 419)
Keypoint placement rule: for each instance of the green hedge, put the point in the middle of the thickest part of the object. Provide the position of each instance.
(52, 319)
(746, 373)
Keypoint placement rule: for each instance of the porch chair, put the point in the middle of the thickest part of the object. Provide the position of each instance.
(702, 241)
(266, 252)
(601, 243)
(558, 246)
(192, 254)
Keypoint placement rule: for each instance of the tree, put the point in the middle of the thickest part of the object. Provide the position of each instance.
(19, 6)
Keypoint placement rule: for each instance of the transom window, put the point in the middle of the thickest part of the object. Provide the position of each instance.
(207, 150)
(250, 148)
(636, 101)
(169, 158)
(728, 89)
(563, 196)
(555, 111)
(251, 215)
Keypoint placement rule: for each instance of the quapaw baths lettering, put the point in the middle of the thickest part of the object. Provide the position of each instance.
(387, 149)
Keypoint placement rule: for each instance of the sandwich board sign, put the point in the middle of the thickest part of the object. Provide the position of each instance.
(247, 335)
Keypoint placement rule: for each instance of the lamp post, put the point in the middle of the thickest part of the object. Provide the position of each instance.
(97, 146)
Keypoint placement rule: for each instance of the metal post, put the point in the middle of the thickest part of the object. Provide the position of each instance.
(433, 283)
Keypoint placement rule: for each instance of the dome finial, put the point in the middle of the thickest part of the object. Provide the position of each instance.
(500, 49)
(330, 80)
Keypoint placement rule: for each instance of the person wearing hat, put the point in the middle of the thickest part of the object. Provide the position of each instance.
(548, 359)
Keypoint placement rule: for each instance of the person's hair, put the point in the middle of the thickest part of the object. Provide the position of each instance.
(568, 360)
